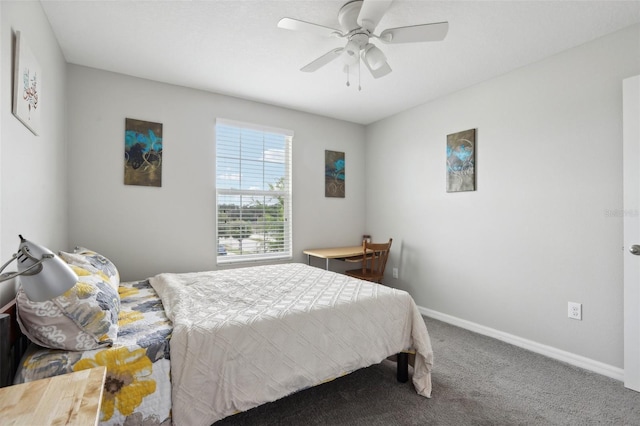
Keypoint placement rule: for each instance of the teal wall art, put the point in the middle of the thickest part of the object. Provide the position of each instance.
(461, 161)
(334, 174)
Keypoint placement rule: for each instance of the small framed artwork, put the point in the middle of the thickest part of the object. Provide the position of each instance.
(461, 161)
(334, 174)
(27, 86)
(142, 153)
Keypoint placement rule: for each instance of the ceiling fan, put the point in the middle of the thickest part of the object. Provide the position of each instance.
(358, 20)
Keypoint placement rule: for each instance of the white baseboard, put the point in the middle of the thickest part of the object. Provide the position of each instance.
(549, 351)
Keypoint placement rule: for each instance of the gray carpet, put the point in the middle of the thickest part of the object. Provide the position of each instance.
(477, 380)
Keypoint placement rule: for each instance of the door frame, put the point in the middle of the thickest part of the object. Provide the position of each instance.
(631, 222)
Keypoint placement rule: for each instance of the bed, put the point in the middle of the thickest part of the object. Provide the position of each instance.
(194, 348)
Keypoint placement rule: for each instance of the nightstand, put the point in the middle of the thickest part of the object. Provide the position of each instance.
(69, 399)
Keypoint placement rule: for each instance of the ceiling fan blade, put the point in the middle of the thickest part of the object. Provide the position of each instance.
(372, 12)
(380, 72)
(298, 25)
(415, 33)
(322, 60)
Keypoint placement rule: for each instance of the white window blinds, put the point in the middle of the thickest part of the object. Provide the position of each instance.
(253, 192)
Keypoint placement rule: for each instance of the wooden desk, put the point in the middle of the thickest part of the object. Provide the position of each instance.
(353, 253)
(69, 399)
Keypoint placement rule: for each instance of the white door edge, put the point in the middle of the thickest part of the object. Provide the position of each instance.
(631, 219)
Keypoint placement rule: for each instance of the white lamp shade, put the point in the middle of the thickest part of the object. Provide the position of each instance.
(351, 53)
(375, 57)
(54, 279)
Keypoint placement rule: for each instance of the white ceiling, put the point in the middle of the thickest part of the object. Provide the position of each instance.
(235, 48)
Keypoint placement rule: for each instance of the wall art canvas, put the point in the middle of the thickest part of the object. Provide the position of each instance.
(27, 86)
(334, 174)
(142, 153)
(461, 161)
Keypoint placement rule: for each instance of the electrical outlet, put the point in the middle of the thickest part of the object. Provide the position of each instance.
(395, 272)
(575, 310)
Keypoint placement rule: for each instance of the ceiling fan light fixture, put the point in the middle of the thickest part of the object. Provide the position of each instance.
(358, 20)
(375, 57)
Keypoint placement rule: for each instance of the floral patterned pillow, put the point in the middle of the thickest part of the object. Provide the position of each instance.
(85, 317)
(95, 262)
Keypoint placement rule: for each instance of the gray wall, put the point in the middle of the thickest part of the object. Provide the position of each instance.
(146, 231)
(33, 169)
(543, 227)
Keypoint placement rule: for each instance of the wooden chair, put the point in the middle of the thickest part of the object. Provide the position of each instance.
(374, 260)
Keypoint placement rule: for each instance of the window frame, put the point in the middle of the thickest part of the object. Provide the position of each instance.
(286, 193)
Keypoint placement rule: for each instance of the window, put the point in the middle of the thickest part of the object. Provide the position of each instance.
(253, 192)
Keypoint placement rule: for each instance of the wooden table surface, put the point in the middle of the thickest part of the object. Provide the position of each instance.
(69, 399)
(335, 252)
(348, 254)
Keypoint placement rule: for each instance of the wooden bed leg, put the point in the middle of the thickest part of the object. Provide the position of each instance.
(403, 367)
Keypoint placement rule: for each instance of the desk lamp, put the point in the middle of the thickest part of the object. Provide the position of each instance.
(43, 275)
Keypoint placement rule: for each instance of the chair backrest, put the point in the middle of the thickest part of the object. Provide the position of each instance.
(375, 257)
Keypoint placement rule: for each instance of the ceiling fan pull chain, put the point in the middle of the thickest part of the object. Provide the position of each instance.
(359, 86)
(348, 84)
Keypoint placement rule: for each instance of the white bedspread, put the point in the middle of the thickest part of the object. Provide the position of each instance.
(247, 336)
